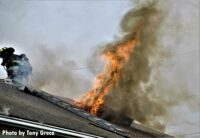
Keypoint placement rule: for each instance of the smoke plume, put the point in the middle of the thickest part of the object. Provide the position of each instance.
(141, 92)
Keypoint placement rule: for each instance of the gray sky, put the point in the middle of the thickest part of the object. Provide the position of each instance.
(81, 26)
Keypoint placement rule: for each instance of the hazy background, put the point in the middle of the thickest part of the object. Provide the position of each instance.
(59, 38)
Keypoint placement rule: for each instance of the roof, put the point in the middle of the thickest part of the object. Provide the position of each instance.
(37, 107)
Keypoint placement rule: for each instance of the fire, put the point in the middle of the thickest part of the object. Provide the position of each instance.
(93, 100)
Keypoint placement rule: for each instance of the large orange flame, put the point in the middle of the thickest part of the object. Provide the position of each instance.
(115, 59)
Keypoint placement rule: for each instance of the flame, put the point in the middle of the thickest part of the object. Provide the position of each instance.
(93, 100)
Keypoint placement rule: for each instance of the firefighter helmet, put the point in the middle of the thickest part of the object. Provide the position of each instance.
(6, 51)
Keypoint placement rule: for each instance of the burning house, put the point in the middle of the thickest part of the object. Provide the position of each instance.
(119, 94)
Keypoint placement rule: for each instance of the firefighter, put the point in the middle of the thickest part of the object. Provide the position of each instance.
(17, 66)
